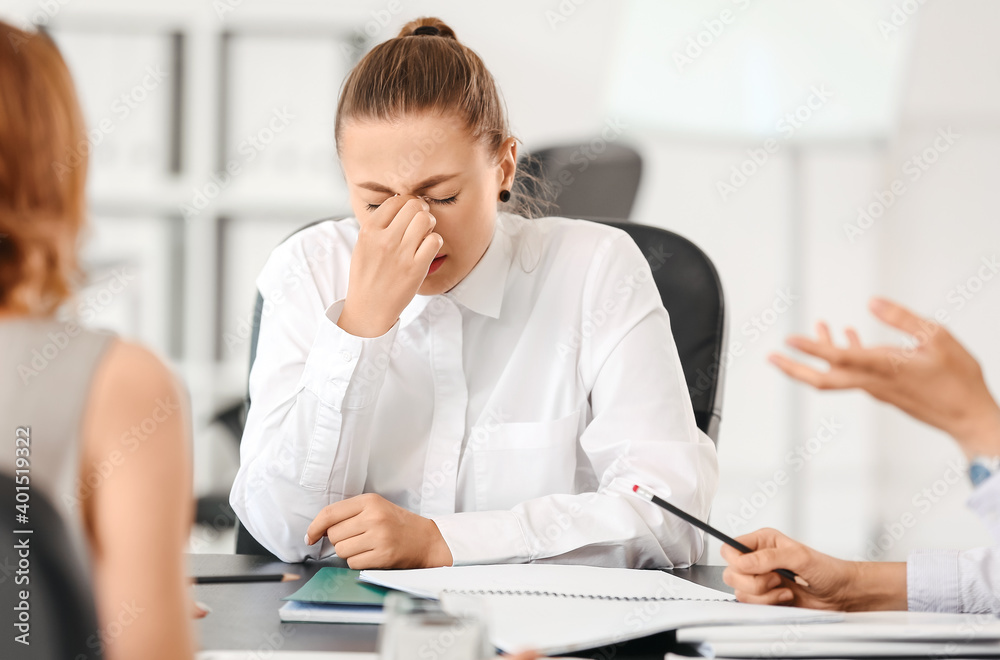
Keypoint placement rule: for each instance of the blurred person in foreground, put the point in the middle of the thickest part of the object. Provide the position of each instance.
(937, 382)
(124, 497)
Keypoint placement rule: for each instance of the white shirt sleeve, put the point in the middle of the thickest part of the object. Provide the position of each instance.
(312, 385)
(960, 581)
(642, 431)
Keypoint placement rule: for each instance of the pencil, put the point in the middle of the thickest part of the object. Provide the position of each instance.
(728, 540)
(259, 577)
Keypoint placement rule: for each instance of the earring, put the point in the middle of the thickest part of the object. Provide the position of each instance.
(504, 196)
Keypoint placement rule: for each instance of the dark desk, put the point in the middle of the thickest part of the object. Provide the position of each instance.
(245, 616)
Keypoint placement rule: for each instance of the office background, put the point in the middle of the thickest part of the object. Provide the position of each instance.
(819, 153)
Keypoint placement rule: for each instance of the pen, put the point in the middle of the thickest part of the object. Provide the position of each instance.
(260, 577)
(728, 540)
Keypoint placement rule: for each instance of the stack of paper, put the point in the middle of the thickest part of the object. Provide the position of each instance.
(860, 635)
(560, 609)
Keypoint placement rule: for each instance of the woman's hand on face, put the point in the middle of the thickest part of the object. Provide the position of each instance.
(831, 581)
(937, 381)
(368, 531)
(395, 248)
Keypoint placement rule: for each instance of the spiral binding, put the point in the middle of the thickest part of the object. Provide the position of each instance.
(528, 592)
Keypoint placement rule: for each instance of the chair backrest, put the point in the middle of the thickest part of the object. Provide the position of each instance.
(61, 613)
(691, 291)
(596, 179)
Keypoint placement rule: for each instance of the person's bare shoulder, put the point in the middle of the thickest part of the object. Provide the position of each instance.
(134, 396)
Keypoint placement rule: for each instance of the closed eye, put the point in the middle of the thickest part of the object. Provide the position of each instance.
(449, 200)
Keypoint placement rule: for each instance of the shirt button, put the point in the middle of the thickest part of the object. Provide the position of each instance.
(346, 355)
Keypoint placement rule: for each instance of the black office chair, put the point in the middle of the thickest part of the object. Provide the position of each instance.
(63, 619)
(597, 179)
(691, 292)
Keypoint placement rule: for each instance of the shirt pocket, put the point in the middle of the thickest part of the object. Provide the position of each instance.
(519, 461)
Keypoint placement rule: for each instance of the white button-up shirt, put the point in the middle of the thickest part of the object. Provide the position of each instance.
(960, 581)
(516, 410)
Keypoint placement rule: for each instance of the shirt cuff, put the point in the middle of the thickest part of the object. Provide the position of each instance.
(343, 370)
(483, 537)
(932, 583)
(985, 501)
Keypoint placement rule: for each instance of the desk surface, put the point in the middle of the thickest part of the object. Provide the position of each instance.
(245, 616)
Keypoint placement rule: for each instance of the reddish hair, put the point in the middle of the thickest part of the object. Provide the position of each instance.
(43, 171)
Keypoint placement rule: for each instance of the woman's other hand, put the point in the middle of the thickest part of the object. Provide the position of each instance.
(368, 531)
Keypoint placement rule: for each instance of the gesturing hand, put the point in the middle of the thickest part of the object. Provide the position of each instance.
(368, 531)
(937, 381)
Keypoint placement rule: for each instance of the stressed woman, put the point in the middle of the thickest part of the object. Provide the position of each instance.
(438, 382)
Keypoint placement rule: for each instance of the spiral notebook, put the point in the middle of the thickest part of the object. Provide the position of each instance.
(551, 580)
(556, 608)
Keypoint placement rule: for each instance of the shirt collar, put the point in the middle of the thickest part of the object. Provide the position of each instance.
(482, 290)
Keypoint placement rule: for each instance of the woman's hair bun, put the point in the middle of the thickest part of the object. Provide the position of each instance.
(428, 26)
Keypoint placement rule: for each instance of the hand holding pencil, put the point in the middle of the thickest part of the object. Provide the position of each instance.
(647, 494)
(834, 584)
(759, 561)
